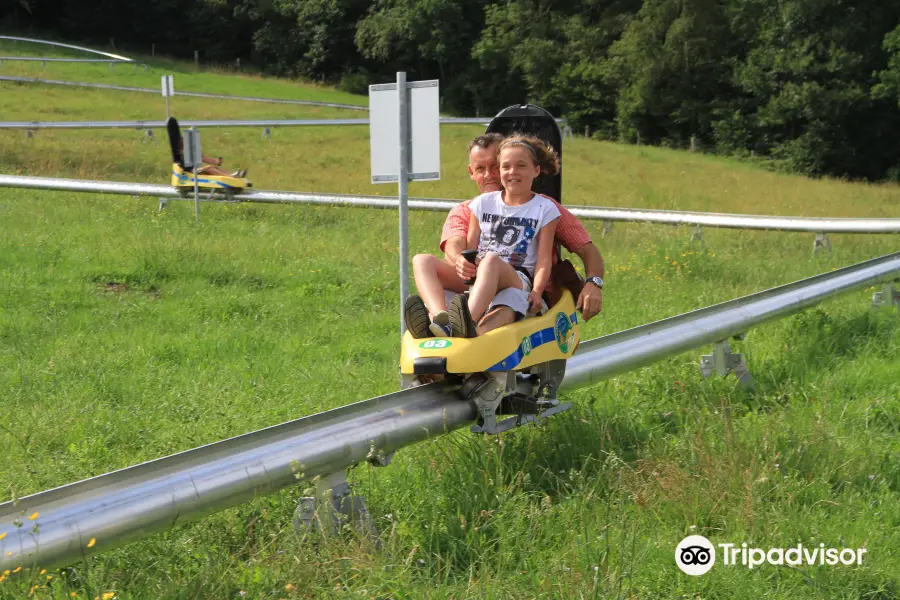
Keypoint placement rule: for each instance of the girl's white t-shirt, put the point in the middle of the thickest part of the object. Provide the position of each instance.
(511, 231)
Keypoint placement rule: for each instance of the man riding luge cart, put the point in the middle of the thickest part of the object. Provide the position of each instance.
(211, 178)
(515, 369)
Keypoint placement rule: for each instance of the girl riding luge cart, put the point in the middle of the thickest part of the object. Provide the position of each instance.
(515, 369)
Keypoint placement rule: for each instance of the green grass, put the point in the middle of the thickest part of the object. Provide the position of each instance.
(126, 335)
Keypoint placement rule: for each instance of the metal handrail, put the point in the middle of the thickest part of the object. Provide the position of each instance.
(759, 222)
(133, 503)
(126, 88)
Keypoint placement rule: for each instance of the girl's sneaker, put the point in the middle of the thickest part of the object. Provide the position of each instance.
(440, 325)
(461, 322)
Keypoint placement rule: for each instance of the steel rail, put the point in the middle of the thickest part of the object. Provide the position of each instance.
(35, 125)
(626, 350)
(734, 221)
(57, 526)
(759, 222)
(61, 45)
(126, 88)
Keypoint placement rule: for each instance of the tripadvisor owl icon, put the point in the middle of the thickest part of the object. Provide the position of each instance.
(695, 555)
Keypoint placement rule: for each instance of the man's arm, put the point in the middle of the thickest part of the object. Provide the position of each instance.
(453, 240)
(590, 301)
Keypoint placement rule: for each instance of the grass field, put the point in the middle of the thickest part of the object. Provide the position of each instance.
(126, 335)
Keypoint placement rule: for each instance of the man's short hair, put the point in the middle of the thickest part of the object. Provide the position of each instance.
(485, 141)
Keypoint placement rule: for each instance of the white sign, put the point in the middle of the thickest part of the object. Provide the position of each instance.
(168, 86)
(424, 128)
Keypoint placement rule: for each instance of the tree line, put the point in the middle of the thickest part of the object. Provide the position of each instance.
(811, 86)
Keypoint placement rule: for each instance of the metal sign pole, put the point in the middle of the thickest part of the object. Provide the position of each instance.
(403, 192)
(195, 154)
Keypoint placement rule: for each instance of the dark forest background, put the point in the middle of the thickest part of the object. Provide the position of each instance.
(811, 86)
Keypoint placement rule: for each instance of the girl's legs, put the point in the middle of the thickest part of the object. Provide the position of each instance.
(433, 276)
(492, 276)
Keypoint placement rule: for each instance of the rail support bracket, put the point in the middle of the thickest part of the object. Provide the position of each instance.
(332, 508)
(723, 361)
(607, 228)
(267, 134)
(148, 136)
(821, 242)
(697, 234)
(889, 295)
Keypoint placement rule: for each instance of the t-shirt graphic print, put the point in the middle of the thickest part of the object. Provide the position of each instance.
(511, 231)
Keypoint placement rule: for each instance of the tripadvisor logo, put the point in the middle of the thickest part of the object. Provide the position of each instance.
(695, 555)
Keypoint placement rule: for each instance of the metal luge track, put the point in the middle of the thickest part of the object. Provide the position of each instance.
(126, 88)
(627, 350)
(760, 222)
(133, 503)
(69, 46)
(37, 125)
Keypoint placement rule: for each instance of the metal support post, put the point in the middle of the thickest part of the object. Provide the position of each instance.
(697, 234)
(267, 134)
(332, 507)
(148, 136)
(403, 192)
(30, 133)
(607, 227)
(195, 159)
(723, 361)
(820, 242)
(889, 295)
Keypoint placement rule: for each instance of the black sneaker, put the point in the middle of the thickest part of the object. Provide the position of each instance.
(416, 316)
(461, 323)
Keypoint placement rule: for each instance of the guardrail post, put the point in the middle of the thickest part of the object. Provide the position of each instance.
(888, 295)
(30, 133)
(267, 134)
(820, 242)
(723, 361)
(332, 507)
(148, 134)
